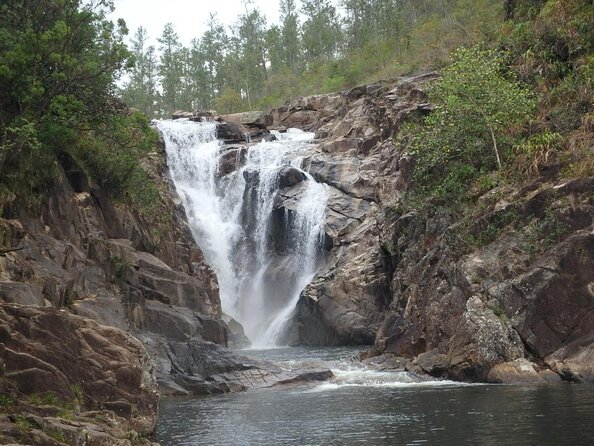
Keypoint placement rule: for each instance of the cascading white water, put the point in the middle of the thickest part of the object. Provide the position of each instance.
(237, 226)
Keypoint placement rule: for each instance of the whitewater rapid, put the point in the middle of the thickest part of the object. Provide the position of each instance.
(231, 217)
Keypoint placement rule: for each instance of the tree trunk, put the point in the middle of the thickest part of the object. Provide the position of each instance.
(495, 149)
(510, 6)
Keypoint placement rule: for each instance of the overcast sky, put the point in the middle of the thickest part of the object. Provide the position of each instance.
(189, 17)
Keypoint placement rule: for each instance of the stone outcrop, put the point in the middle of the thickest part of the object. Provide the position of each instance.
(518, 308)
(83, 254)
(504, 302)
(356, 158)
(207, 369)
(51, 361)
(104, 261)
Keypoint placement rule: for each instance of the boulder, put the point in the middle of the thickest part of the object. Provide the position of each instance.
(432, 363)
(575, 361)
(231, 160)
(231, 133)
(252, 119)
(289, 176)
(181, 114)
(482, 341)
(204, 368)
(519, 371)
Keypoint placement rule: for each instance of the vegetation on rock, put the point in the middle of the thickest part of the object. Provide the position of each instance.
(469, 132)
(59, 63)
(522, 109)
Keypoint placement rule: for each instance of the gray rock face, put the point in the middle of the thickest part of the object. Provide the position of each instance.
(85, 254)
(231, 160)
(498, 304)
(396, 279)
(356, 158)
(104, 369)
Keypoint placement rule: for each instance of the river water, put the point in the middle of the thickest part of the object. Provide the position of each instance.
(380, 408)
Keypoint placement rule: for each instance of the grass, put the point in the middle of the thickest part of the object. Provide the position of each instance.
(24, 424)
(6, 402)
(119, 269)
(56, 434)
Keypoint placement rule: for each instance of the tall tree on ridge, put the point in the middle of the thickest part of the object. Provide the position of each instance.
(290, 34)
(170, 68)
(141, 90)
(321, 31)
(251, 32)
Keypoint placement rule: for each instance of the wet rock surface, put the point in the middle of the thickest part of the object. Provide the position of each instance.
(85, 255)
(356, 158)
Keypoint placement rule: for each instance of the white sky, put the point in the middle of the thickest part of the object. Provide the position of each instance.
(189, 17)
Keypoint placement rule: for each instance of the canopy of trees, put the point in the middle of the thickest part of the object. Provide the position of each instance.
(317, 46)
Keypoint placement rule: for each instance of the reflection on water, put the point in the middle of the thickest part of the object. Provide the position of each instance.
(371, 411)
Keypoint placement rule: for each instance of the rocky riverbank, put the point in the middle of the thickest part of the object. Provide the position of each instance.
(116, 313)
(502, 295)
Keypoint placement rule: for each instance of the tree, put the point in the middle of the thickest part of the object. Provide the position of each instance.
(290, 34)
(213, 46)
(199, 78)
(251, 34)
(141, 90)
(59, 63)
(321, 31)
(170, 68)
(52, 51)
(477, 104)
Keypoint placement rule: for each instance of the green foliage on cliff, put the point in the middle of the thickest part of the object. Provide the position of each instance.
(478, 104)
(59, 63)
(551, 48)
(528, 95)
(522, 108)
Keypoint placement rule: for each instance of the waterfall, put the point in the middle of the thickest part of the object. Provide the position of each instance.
(260, 227)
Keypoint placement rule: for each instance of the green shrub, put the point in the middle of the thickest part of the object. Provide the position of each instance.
(5, 401)
(478, 107)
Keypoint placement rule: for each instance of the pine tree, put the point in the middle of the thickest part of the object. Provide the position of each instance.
(141, 90)
(170, 69)
(289, 35)
(322, 34)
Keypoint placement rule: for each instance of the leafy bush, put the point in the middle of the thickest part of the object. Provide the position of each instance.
(59, 62)
(111, 155)
(230, 102)
(478, 107)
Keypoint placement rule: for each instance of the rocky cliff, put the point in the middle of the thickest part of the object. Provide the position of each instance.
(518, 306)
(102, 310)
(109, 305)
(83, 279)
